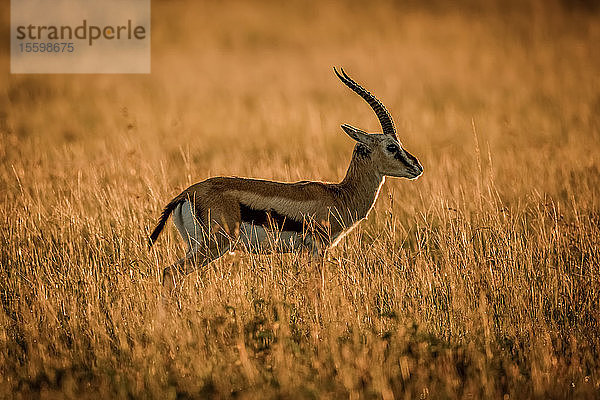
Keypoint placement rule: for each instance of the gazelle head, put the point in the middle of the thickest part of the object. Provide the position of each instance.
(384, 149)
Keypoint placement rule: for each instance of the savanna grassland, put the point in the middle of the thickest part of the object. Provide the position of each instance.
(478, 280)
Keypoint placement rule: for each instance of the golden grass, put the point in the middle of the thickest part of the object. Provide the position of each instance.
(481, 279)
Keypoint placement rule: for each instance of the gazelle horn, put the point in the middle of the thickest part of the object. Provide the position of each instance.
(385, 119)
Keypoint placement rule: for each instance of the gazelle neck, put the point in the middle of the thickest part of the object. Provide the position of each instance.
(360, 186)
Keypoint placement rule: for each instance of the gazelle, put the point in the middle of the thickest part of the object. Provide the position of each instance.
(222, 213)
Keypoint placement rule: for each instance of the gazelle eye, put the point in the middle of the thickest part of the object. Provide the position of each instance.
(392, 148)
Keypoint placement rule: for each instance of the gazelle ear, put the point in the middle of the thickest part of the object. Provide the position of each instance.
(357, 134)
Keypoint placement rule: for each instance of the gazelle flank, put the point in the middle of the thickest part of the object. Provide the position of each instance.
(225, 213)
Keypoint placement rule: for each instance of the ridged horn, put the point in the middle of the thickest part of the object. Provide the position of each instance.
(385, 119)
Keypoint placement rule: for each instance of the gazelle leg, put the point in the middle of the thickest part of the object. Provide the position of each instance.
(173, 273)
(316, 249)
(197, 258)
(203, 246)
(314, 245)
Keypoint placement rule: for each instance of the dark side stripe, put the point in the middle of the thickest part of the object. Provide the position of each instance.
(270, 219)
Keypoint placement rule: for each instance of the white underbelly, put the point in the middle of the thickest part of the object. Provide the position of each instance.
(252, 238)
(255, 238)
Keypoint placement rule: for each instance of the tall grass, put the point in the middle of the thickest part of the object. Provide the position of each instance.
(480, 279)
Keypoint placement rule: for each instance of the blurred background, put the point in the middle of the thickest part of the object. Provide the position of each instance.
(238, 78)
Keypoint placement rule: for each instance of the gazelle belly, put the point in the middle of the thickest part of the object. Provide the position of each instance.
(255, 238)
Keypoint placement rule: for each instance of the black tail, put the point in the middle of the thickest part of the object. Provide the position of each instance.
(163, 220)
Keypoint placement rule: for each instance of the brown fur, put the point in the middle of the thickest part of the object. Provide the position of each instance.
(331, 206)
